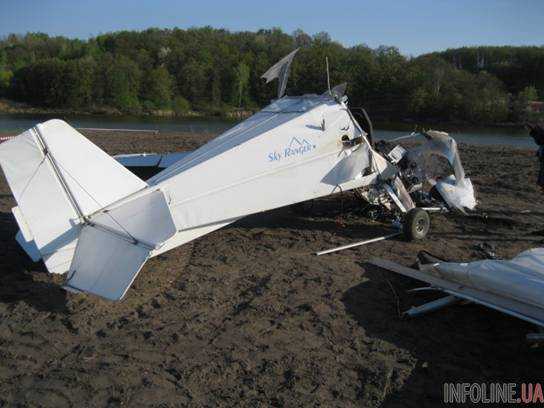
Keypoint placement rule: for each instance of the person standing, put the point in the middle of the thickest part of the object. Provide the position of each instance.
(537, 133)
(540, 154)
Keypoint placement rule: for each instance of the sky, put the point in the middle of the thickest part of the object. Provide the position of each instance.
(414, 26)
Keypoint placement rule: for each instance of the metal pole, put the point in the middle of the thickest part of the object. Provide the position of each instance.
(49, 156)
(356, 244)
(432, 306)
(154, 131)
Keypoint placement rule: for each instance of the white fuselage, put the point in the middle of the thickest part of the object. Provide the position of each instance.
(291, 151)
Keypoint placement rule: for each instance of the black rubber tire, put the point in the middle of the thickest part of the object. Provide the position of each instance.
(416, 224)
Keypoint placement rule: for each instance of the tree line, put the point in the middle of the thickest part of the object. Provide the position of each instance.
(216, 71)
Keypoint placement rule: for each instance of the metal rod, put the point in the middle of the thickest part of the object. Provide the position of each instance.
(356, 244)
(49, 156)
(154, 131)
(394, 197)
(123, 235)
(434, 209)
(535, 337)
(423, 289)
(432, 306)
(405, 137)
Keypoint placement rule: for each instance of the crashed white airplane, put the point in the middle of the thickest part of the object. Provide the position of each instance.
(85, 214)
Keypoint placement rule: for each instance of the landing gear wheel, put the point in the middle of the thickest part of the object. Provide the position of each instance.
(416, 224)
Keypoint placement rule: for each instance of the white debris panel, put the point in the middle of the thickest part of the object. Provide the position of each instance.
(513, 287)
(521, 278)
(456, 189)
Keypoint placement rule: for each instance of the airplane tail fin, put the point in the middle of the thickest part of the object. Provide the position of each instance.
(62, 184)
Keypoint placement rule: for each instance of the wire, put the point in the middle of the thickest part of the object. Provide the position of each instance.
(96, 201)
(31, 178)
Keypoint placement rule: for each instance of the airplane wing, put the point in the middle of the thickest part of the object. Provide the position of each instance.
(484, 295)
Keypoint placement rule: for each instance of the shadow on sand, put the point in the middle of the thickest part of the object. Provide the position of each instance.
(343, 218)
(457, 344)
(20, 278)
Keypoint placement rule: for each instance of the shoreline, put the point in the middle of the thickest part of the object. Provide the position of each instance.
(8, 107)
(404, 124)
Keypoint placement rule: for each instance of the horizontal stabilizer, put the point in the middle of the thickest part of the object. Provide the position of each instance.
(105, 264)
(113, 247)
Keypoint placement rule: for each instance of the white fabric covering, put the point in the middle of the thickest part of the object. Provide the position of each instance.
(351, 167)
(459, 195)
(104, 264)
(41, 200)
(521, 278)
(277, 157)
(146, 218)
(280, 70)
(95, 178)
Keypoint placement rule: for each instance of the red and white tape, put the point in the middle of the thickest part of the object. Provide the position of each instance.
(5, 138)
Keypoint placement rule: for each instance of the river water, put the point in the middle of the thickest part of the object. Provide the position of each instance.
(515, 137)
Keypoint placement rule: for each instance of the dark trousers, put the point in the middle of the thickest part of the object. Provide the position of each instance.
(540, 180)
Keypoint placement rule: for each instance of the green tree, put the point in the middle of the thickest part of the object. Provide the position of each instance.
(242, 82)
(158, 87)
(181, 106)
(41, 83)
(487, 101)
(208, 69)
(5, 81)
(79, 74)
(520, 104)
(123, 84)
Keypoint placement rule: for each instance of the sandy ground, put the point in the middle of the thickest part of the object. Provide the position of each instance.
(247, 316)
